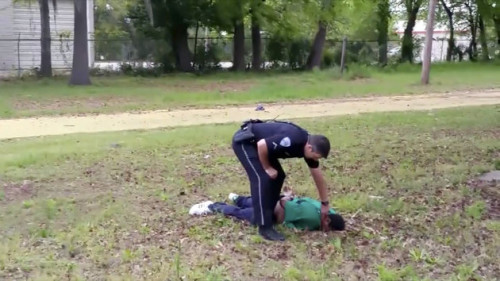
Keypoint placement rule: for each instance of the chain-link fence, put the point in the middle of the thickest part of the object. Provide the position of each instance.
(21, 55)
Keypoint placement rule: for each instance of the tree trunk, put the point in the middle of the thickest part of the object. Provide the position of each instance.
(180, 47)
(46, 59)
(497, 29)
(472, 50)
(451, 39)
(482, 38)
(407, 48)
(80, 71)
(383, 30)
(496, 20)
(239, 46)
(316, 54)
(256, 44)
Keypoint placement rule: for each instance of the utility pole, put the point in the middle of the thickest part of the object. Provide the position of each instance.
(426, 63)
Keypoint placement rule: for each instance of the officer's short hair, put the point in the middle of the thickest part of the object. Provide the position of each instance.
(320, 144)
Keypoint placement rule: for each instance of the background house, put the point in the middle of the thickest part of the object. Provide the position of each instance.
(440, 39)
(20, 35)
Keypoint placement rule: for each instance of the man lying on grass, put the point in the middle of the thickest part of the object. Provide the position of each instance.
(302, 213)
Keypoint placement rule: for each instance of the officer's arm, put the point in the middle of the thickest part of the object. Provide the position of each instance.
(263, 154)
(320, 182)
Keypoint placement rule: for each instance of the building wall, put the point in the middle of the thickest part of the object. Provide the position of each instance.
(440, 37)
(23, 48)
(7, 51)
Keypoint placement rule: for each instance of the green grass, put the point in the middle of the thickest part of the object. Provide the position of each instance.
(79, 208)
(20, 98)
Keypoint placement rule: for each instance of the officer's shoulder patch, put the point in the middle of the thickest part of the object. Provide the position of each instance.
(285, 142)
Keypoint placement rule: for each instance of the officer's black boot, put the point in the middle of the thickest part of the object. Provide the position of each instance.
(269, 233)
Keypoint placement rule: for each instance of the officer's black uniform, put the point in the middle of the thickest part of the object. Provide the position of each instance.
(284, 140)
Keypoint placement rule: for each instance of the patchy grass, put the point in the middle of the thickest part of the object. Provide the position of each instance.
(21, 98)
(114, 206)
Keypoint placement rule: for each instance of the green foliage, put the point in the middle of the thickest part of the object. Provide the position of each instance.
(476, 210)
(293, 51)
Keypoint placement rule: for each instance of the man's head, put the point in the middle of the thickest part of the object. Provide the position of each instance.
(317, 146)
(336, 222)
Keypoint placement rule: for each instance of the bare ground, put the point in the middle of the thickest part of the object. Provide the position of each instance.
(41, 126)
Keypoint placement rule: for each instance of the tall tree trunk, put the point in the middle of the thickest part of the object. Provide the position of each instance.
(80, 71)
(496, 20)
(407, 48)
(316, 54)
(183, 56)
(472, 49)
(383, 30)
(451, 39)
(256, 44)
(46, 59)
(482, 38)
(239, 45)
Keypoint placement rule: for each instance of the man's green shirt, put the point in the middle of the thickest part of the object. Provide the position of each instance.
(303, 213)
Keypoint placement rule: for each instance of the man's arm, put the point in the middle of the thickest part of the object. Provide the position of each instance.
(320, 182)
(264, 158)
(263, 154)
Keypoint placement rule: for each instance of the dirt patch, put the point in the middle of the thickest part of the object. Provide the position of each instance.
(17, 191)
(221, 86)
(62, 103)
(490, 192)
(41, 126)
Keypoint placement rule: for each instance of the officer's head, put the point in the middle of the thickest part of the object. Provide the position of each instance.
(336, 222)
(318, 146)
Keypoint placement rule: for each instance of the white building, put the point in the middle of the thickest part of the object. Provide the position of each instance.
(20, 35)
(440, 38)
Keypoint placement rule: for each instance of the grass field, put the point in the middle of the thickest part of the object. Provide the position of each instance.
(114, 206)
(21, 98)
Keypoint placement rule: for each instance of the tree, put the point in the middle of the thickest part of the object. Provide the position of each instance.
(412, 8)
(230, 16)
(426, 63)
(256, 11)
(45, 44)
(239, 39)
(451, 39)
(80, 71)
(383, 15)
(472, 19)
(482, 38)
(173, 18)
(489, 10)
(316, 54)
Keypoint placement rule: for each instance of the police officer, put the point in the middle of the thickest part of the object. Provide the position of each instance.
(258, 146)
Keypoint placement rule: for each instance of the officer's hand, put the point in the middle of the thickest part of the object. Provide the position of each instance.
(325, 219)
(272, 172)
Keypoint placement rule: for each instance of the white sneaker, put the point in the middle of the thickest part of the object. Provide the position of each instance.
(201, 208)
(233, 197)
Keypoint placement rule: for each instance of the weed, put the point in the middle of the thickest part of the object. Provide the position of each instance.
(476, 210)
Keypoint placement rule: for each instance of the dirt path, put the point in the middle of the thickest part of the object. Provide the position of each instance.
(44, 126)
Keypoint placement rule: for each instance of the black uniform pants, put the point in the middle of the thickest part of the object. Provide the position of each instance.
(264, 190)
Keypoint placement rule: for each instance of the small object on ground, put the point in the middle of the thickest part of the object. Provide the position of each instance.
(201, 208)
(115, 145)
(259, 108)
(490, 176)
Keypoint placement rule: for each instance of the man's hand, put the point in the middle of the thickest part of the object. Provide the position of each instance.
(272, 172)
(325, 219)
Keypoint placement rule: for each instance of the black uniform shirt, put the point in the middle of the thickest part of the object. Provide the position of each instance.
(284, 140)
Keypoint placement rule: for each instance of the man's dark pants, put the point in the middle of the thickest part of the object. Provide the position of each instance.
(265, 191)
(243, 209)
